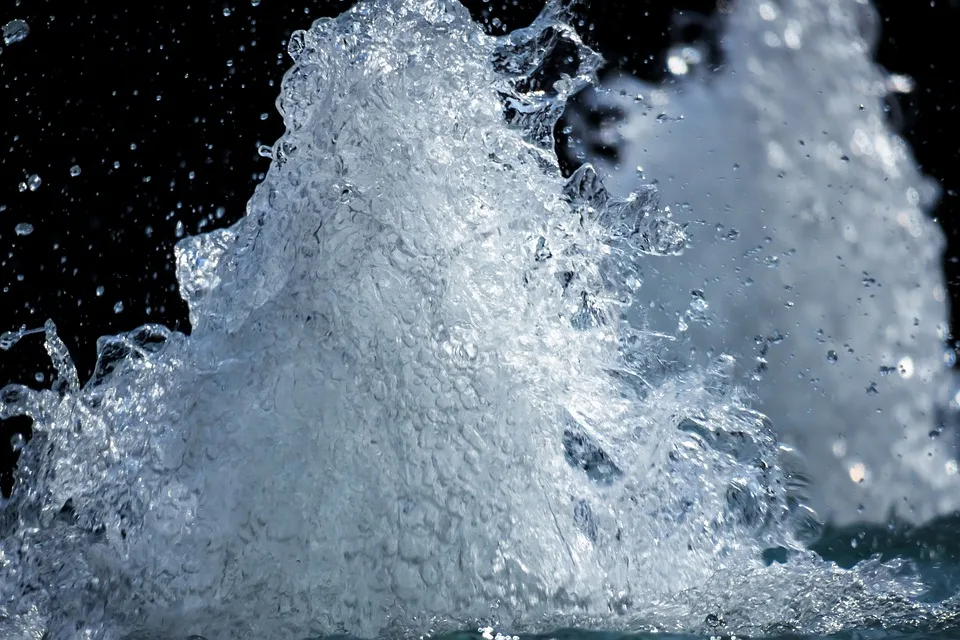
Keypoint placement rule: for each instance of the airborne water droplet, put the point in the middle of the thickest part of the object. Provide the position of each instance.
(33, 182)
(17, 441)
(74, 171)
(15, 31)
(24, 229)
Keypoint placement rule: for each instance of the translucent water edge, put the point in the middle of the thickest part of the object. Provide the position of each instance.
(426, 390)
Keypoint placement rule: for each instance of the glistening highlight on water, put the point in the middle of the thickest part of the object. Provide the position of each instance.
(432, 385)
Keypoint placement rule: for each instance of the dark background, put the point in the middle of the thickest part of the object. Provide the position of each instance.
(163, 105)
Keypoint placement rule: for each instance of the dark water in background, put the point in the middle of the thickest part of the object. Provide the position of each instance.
(61, 109)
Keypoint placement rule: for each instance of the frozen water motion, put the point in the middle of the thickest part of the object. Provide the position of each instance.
(420, 392)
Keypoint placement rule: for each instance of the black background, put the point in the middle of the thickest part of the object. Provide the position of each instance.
(163, 105)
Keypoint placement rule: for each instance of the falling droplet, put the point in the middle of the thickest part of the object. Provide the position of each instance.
(74, 171)
(24, 229)
(33, 182)
(18, 442)
(118, 307)
(15, 31)
(100, 291)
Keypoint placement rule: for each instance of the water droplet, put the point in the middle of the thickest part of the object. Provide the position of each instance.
(100, 291)
(38, 376)
(905, 367)
(831, 356)
(264, 151)
(227, 12)
(74, 171)
(872, 389)
(17, 442)
(15, 31)
(33, 182)
(858, 472)
(255, 3)
(118, 307)
(22, 187)
(24, 229)
(949, 357)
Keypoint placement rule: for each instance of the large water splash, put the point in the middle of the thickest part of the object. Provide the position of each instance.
(417, 394)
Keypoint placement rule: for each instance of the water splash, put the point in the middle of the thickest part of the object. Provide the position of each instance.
(417, 394)
(809, 221)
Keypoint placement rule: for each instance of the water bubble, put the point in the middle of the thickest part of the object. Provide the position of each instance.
(24, 229)
(75, 171)
(832, 356)
(15, 31)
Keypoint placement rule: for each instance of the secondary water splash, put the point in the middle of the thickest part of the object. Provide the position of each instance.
(816, 263)
(416, 395)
